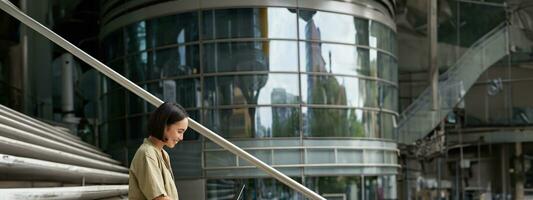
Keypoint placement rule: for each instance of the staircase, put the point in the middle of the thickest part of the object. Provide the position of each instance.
(41, 161)
(419, 119)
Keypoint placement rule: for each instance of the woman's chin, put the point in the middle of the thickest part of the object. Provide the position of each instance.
(171, 145)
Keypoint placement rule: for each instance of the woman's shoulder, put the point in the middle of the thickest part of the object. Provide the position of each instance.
(149, 149)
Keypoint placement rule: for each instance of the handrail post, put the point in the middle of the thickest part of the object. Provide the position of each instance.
(12, 10)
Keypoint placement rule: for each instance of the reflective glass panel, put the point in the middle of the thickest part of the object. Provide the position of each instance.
(113, 45)
(136, 37)
(387, 126)
(337, 188)
(326, 26)
(382, 37)
(387, 67)
(260, 122)
(249, 23)
(335, 58)
(251, 89)
(388, 97)
(340, 90)
(183, 91)
(138, 67)
(173, 29)
(331, 122)
(176, 61)
(113, 104)
(250, 56)
(258, 188)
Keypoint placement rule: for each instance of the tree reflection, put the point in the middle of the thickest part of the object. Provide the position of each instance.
(326, 90)
(251, 85)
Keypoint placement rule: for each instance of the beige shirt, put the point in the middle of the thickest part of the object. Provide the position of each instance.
(151, 174)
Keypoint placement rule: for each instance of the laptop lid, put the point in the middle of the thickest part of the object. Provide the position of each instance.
(240, 193)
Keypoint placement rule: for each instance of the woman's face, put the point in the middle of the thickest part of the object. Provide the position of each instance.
(174, 132)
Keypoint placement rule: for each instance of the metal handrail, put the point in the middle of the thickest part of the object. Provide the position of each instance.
(12, 10)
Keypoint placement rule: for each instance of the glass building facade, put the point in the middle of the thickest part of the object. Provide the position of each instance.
(306, 88)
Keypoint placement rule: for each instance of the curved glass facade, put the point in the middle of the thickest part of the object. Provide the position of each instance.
(339, 187)
(267, 73)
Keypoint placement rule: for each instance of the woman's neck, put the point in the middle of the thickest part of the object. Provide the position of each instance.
(157, 143)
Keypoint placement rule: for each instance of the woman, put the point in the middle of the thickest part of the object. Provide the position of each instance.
(150, 172)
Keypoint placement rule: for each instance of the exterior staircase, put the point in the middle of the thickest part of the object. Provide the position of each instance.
(419, 119)
(41, 161)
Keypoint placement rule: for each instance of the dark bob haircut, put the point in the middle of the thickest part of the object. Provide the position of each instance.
(166, 114)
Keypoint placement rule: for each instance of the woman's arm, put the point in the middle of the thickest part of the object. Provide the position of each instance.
(149, 178)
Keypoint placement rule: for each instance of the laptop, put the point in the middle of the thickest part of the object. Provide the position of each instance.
(240, 193)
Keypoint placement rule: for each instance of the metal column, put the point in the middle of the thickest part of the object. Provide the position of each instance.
(433, 64)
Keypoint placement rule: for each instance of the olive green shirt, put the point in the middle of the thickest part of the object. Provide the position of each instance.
(151, 174)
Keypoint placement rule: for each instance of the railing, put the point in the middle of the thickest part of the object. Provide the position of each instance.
(12, 10)
(419, 119)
